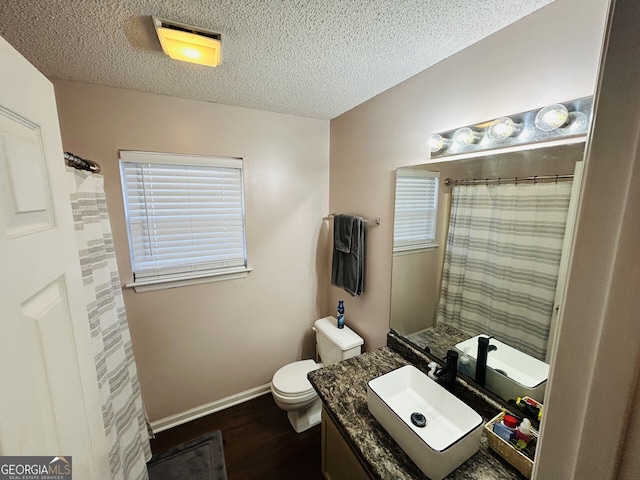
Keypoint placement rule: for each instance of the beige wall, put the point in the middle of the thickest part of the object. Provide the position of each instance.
(198, 344)
(517, 69)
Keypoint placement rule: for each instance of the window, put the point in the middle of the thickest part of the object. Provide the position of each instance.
(415, 209)
(185, 218)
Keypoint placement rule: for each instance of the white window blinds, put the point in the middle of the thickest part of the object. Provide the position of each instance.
(185, 214)
(415, 209)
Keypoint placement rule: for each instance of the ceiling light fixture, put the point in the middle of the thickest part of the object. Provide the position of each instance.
(189, 44)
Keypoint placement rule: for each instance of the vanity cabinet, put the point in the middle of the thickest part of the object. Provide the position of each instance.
(354, 448)
(339, 462)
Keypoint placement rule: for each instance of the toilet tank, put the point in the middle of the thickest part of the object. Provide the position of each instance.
(336, 344)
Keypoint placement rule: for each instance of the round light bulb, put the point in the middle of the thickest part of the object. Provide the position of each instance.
(465, 136)
(501, 128)
(552, 117)
(436, 143)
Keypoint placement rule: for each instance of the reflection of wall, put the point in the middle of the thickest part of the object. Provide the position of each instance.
(504, 73)
(414, 298)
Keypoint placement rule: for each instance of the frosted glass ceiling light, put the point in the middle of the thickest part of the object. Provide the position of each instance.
(465, 136)
(189, 44)
(502, 128)
(552, 117)
(437, 142)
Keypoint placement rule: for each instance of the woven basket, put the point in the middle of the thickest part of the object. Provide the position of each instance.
(518, 459)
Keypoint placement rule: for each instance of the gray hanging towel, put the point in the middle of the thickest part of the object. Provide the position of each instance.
(342, 232)
(347, 267)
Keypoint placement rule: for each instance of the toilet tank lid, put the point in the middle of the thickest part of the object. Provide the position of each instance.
(345, 338)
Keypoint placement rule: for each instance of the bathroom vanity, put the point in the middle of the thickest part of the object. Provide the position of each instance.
(356, 446)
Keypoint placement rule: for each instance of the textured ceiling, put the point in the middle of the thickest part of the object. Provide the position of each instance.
(310, 58)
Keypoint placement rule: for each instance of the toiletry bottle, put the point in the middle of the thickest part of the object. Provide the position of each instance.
(524, 431)
(529, 411)
(464, 364)
(506, 429)
(340, 314)
(503, 432)
(511, 423)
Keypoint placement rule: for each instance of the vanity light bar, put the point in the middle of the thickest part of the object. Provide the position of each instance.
(552, 122)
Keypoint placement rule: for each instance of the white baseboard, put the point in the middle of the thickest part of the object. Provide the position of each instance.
(198, 412)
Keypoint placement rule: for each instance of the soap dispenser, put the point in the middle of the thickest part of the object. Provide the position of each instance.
(464, 365)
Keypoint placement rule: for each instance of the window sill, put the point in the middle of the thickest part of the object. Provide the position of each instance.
(142, 286)
(413, 250)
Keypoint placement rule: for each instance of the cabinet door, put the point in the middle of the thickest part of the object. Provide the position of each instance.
(338, 460)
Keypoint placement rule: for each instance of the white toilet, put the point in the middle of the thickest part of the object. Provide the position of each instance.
(292, 391)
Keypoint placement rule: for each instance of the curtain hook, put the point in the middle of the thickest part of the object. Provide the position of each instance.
(516, 180)
(535, 179)
(556, 178)
(486, 182)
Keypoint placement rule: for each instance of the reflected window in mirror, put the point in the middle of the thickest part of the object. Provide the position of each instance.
(416, 207)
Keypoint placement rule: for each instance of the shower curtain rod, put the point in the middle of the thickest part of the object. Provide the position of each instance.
(375, 221)
(448, 182)
(81, 163)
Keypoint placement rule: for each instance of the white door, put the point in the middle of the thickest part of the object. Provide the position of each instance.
(49, 399)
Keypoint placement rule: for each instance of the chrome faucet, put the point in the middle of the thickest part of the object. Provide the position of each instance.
(481, 359)
(446, 374)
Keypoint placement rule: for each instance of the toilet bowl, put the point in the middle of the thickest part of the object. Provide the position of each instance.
(290, 387)
(293, 393)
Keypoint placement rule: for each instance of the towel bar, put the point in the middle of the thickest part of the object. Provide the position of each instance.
(366, 220)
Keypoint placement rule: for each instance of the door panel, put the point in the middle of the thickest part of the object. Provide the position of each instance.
(49, 403)
(28, 201)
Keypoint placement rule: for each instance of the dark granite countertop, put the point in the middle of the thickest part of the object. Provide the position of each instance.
(439, 338)
(343, 390)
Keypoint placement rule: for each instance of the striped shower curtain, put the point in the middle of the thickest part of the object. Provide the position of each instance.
(502, 260)
(122, 409)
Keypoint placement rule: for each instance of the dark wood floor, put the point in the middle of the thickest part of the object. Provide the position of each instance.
(259, 442)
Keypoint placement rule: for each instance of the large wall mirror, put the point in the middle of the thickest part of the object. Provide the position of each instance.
(490, 262)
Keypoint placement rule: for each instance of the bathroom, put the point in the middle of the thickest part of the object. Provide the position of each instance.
(221, 342)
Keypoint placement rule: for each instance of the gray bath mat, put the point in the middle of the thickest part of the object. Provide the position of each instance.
(199, 459)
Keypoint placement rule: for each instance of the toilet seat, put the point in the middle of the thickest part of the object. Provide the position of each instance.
(290, 382)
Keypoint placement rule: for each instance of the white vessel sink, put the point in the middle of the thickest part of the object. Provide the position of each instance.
(510, 372)
(452, 431)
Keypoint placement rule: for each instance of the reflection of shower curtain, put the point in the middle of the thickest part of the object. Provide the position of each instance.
(502, 259)
(122, 409)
